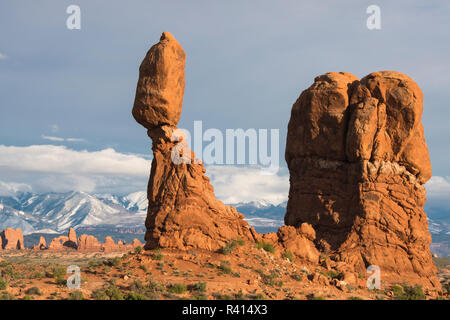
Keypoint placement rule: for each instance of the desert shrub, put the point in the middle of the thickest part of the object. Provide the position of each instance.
(33, 291)
(258, 296)
(113, 262)
(229, 247)
(270, 279)
(219, 296)
(355, 298)
(314, 297)
(411, 293)
(199, 296)
(197, 287)
(297, 277)
(288, 255)
(76, 295)
(239, 295)
(114, 293)
(225, 267)
(99, 294)
(135, 296)
(397, 290)
(446, 288)
(59, 274)
(143, 267)
(267, 246)
(138, 249)
(6, 296)
(157, 255)
(177, 288)
(333, 274)
(3, 284)
(137, 286)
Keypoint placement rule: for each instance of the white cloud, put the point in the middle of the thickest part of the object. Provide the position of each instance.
(56, 168)
(234, 184)
(59, 139)
(438, 195)
(3, 56)
(438, 187)
(43, 168)
(9, 189)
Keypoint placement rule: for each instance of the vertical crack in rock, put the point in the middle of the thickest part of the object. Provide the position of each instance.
(183, 212)
(358, 162)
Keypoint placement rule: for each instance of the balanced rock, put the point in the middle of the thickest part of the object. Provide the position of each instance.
(12, 239)
(160, 89)
(358, 161)
(183, 211)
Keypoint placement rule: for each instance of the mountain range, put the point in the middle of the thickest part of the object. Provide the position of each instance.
(55, 213)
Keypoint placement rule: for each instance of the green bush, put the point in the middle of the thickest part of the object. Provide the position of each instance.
(288, 255)
(314, 297)
(33, 291)
(6, 296)
(177, 288)
(198, 287)
(333, 274)
(138, 249)
(113, 262)
(157, 255)
(3, 284)
(297, 277)
(135, 296)
(266, 246)
(59, 274)
(225, 267)
(229, 247)
(411, 293)
(76, 295)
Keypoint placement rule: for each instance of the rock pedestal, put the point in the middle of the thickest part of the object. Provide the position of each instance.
(183, 212)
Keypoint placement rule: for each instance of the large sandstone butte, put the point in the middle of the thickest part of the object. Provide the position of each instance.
(183, 212)
(358, 162)
(11, 239)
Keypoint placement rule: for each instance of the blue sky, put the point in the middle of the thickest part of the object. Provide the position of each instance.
(247, 62)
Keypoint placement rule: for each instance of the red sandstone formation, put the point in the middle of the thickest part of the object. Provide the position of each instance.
(88, 242)
(41, 245)
(358, 161)
(11, 239)
(183, 212)
(72, 237)
(110, 246)
(62, 242)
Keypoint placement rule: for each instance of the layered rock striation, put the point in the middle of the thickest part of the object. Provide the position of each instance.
(183, 212)
(358, 162)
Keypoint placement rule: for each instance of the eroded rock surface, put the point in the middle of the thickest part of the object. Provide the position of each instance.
(358, 161)
(183, 212)
(11, 239)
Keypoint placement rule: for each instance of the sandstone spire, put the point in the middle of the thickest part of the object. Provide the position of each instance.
(358, 161)
(183, 212)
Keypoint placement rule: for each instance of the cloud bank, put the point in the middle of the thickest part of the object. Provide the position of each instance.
(50, 168)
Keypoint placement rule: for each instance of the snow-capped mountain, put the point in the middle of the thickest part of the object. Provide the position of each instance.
(56, 212)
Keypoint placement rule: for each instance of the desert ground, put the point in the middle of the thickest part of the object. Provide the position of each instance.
(239, 271)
